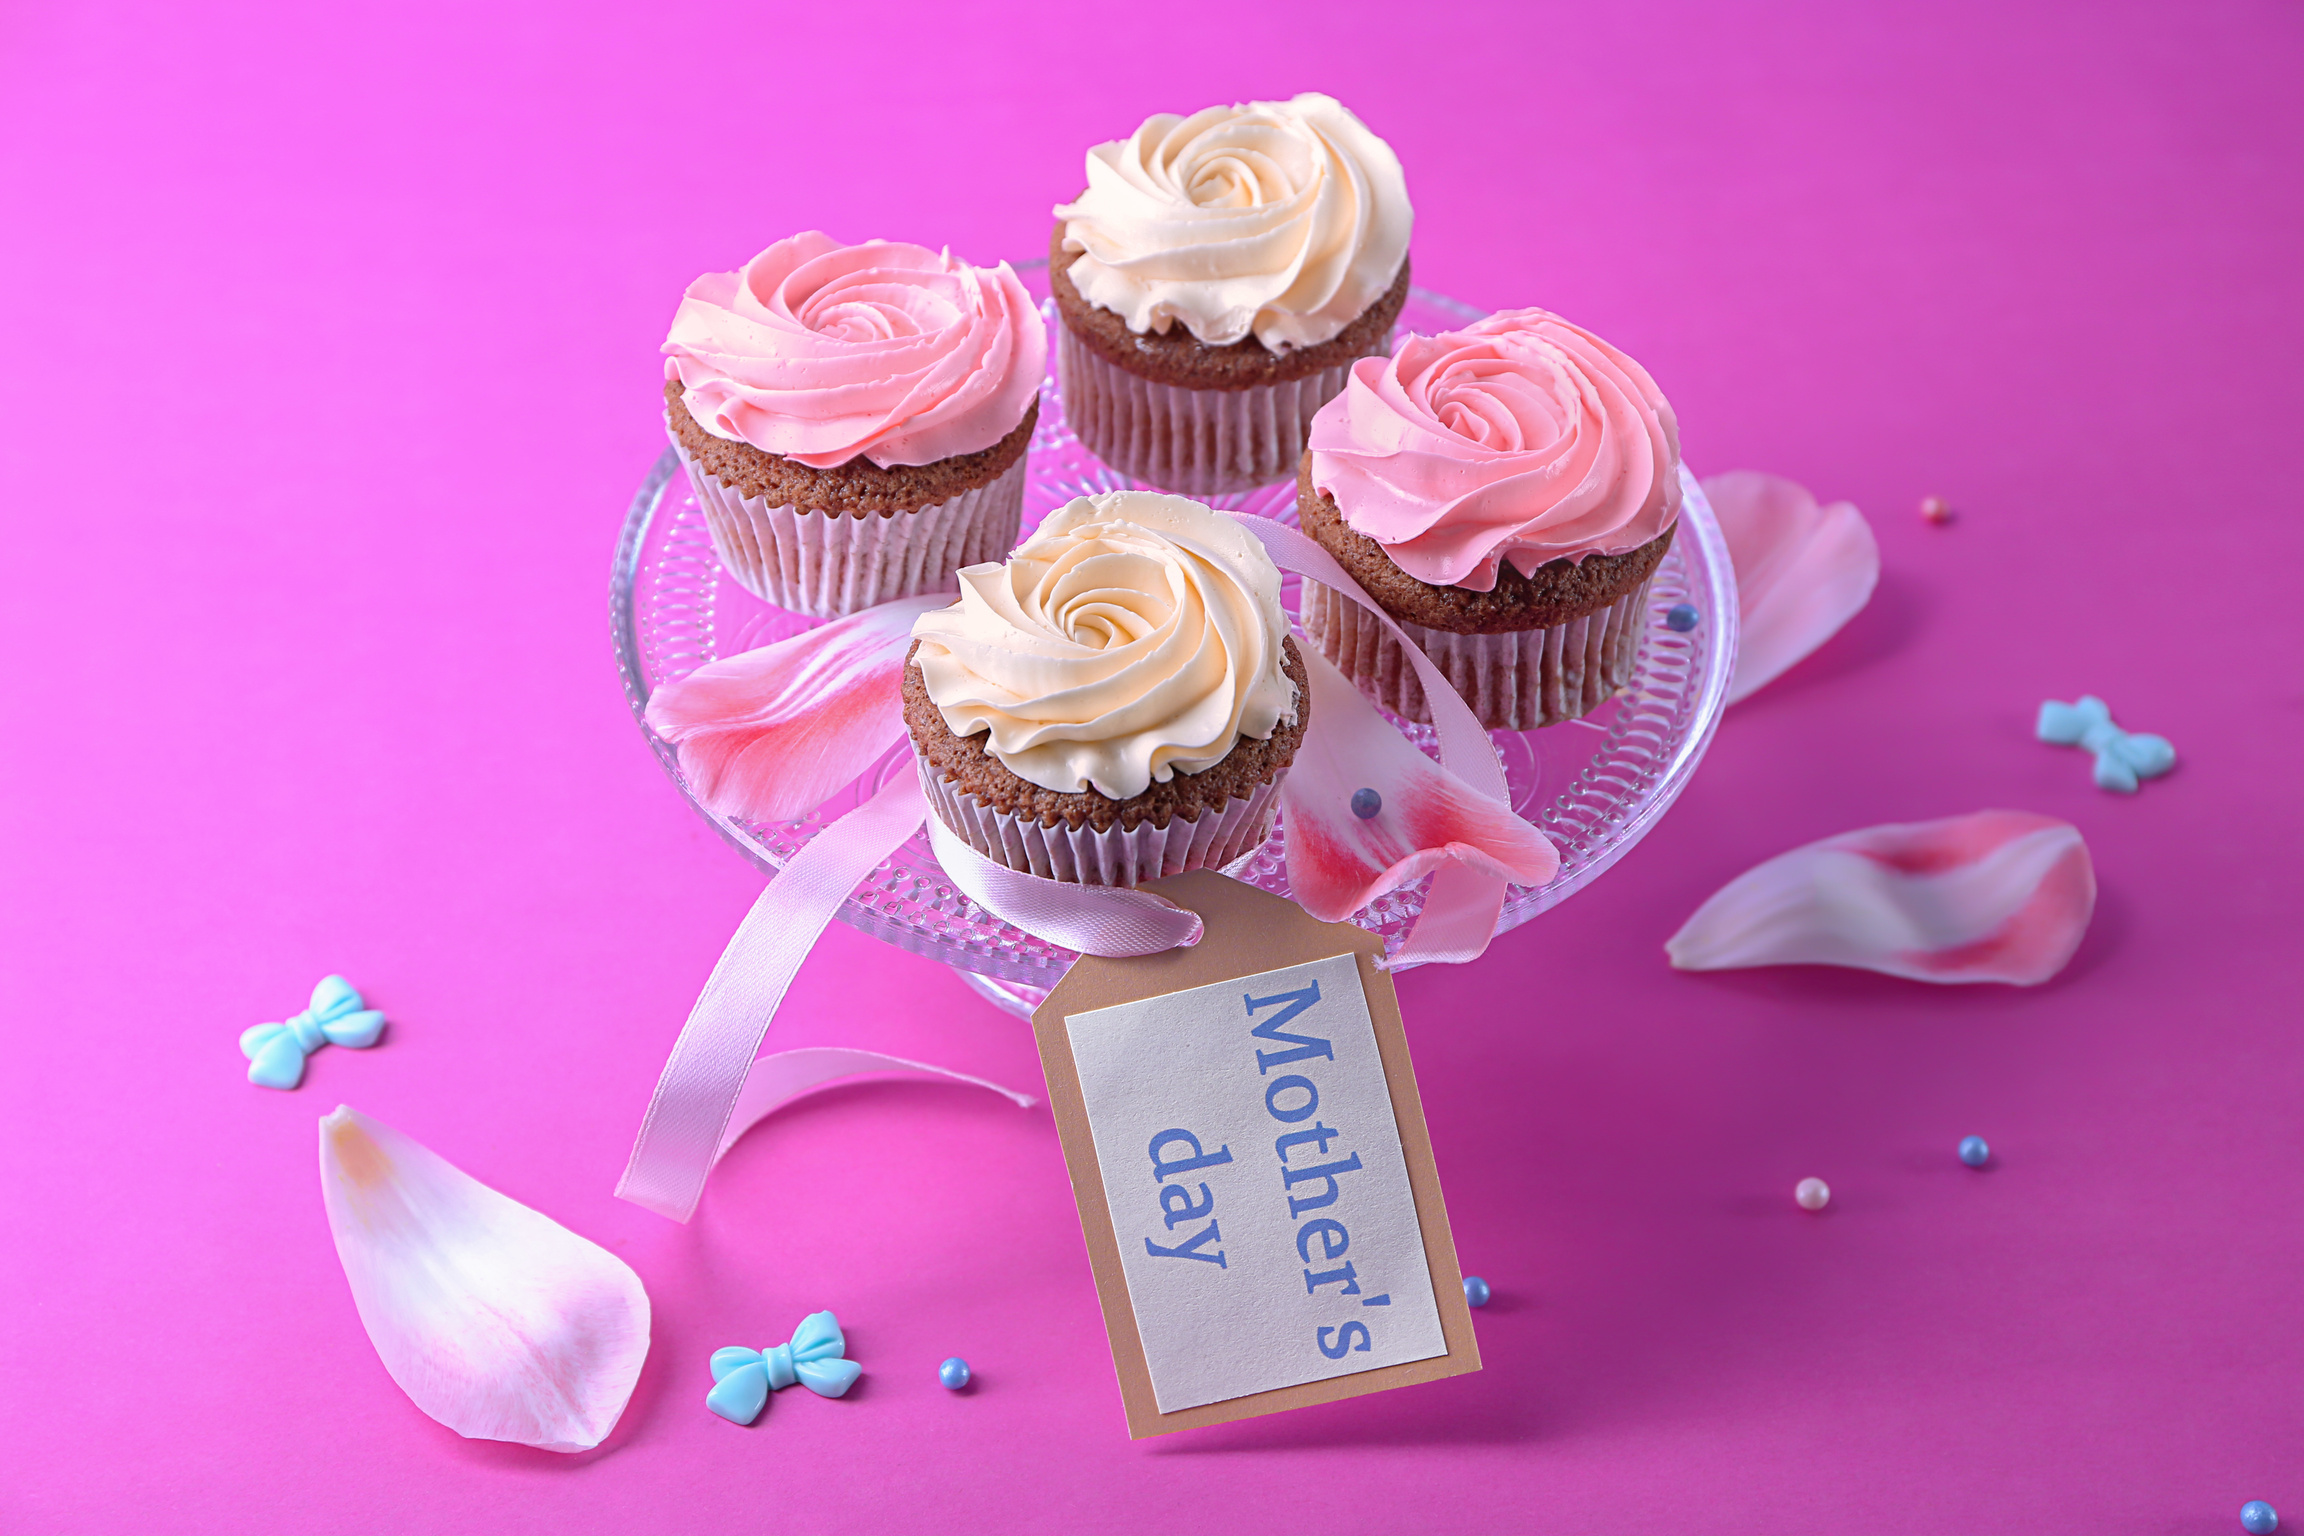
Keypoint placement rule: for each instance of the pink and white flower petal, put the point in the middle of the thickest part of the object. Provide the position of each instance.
(1992, 896)
(494, 1319)
(774, 733)
(1339, 861)
(1802, 571)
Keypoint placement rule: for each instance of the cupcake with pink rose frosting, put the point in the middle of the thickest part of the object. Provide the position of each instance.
(1505, 492)
(854, 418)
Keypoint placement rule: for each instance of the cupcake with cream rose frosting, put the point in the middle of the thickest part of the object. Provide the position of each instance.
(1505, 492)
(1117, 702)
(854, 418)
(1216, 280)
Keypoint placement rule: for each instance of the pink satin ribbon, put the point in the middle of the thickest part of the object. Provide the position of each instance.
(777, 1080)
(1461, 906)
(682, 1133)
(1093, 919)
(716, 1085)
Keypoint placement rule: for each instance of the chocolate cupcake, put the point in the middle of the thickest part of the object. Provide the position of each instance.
(854, 419)
(1216, 282)
(1505, 492)
(1118, 702)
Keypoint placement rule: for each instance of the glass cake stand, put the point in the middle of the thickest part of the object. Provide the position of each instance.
(1595, 785)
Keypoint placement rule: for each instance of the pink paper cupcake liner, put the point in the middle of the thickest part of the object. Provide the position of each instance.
(829, 564)
(1200, 442)
(1514, 682)
(1128, 856)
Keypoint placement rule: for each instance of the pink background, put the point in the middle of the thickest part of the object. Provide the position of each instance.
(329, 366)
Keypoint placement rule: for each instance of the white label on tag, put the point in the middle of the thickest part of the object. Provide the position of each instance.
(1257, 1186)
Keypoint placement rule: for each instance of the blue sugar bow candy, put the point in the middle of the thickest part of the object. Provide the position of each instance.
(337, 1016)
(743, 1378)
(2121, 759)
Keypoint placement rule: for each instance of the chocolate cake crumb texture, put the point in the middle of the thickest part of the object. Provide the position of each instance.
(854, 489)
(1178, 357)
(968, 762)
(1559, 591)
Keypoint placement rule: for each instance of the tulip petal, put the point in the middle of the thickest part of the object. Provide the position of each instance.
(1992, 896)
(773, 733)
(494, 1319)
(1338, 862)
(1802, 570)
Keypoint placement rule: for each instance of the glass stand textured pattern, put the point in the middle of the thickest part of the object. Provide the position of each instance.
(1594, 785)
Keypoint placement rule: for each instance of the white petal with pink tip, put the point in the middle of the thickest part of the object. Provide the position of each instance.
(494, 1319)
(1802, 570)
(771, 734)
(1338, 861)
(1992, 896)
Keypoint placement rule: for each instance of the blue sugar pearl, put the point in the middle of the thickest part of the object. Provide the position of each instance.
(953, 1373)
(1680, 617)
(1366, 803)
(2258, 1519)
(1476, 1292)
(1974, 1152)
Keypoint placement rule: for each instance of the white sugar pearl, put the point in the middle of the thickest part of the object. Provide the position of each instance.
(1813, 1194)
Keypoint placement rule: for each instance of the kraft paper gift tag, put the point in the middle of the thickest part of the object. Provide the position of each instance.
(1254, 1177)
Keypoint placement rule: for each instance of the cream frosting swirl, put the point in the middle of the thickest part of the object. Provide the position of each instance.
(1284, 219)
(1134, 636)
(820, 351)
(1521, 437)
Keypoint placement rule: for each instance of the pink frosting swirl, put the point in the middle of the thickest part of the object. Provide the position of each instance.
(1521, 437)
(820, 351)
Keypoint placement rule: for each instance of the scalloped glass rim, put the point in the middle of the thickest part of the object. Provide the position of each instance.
(1617, 771)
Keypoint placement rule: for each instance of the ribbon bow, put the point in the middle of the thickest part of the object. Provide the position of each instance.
(2121, 758)
(773, 732)
(337, 1016)
(743, 1378)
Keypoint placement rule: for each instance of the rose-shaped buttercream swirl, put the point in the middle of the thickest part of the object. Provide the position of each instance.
(819, 351)
(1133, 637)
(1284, 219)
(1521, 437)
